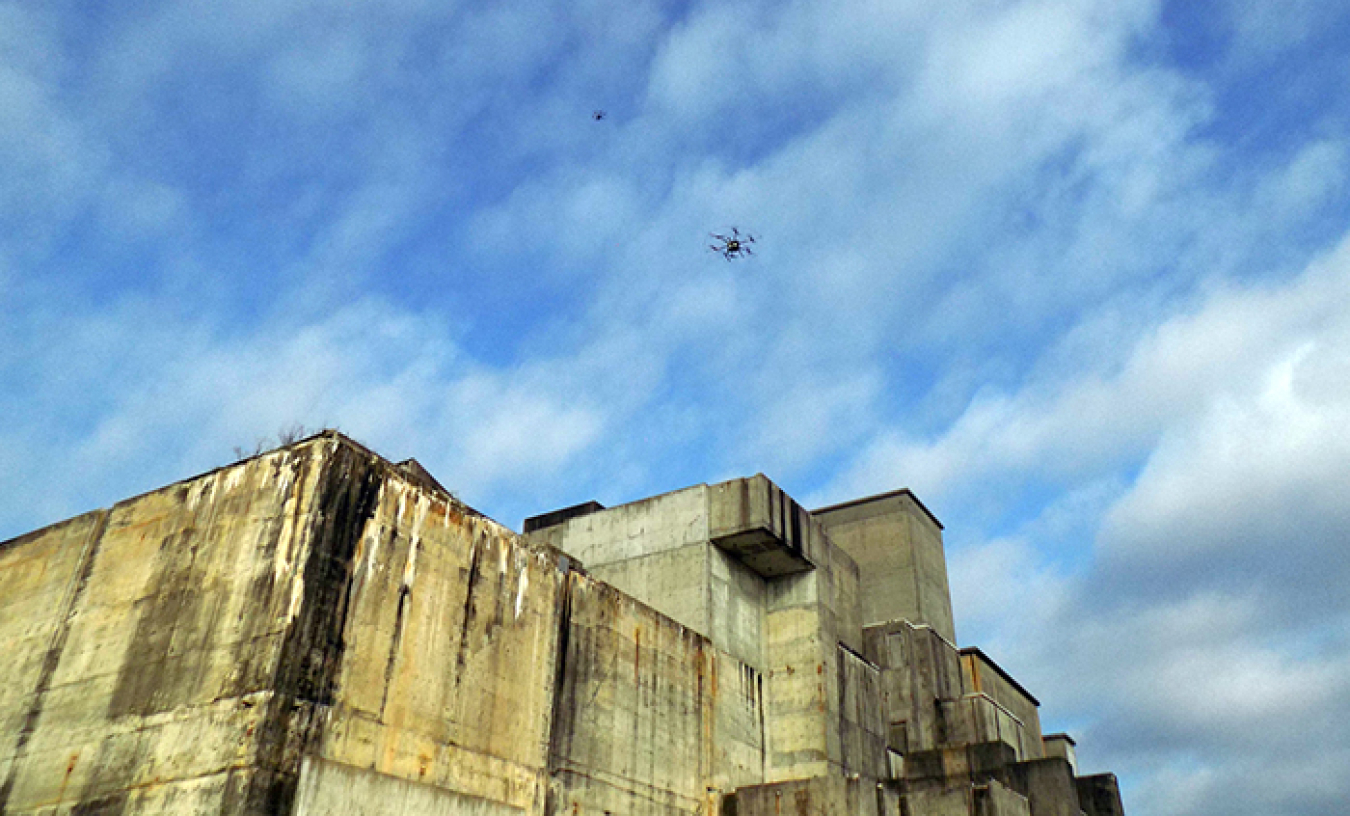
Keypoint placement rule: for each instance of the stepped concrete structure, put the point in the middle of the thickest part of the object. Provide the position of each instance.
(317, 630)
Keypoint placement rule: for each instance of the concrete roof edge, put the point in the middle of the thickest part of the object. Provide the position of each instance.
(975, 650)
(904, 491)
(327, 433)
(660, 495)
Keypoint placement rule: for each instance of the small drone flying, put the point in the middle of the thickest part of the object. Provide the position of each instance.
(734, 245)
(597, 115)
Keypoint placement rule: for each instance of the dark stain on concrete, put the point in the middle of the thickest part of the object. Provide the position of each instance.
(404, 598)
(470, 608)
(312, 650)
(113, 805)
(52, 658)
(564, 691)
(268, 599)
(159, 674)
(105, 791)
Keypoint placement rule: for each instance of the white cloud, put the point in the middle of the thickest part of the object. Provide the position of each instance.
(1014, 248)
(1198, 642)
(176, 396)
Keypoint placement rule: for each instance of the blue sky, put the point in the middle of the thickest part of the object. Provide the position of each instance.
(1073, 271)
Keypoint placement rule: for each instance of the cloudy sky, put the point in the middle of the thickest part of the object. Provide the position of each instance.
(1075, 271)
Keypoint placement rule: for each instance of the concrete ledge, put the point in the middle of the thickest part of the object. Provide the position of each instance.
(759, 524)
(335, 789)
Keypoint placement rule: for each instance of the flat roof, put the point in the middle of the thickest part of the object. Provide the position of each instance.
(555, 517)
(904, 491)
(975, 651)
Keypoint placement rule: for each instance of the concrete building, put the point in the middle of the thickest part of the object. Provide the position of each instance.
(317, 630)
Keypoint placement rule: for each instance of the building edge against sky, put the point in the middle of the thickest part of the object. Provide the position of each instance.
(319, 630)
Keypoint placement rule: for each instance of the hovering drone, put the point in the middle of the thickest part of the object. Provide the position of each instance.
(597, 115)
(734, 245)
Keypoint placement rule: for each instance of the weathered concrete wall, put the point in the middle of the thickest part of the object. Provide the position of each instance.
(187, 650)
(832, 795)
(807, 617)
(989, 798)
(992, 798)
(333, 789)
(918, 669)
(186, 654)
(650, 718)
(1048, 785)
(451, 647)
(1099, 795)
(633, 715)
(897, 544)
(862, 718)
(975, 718)
(655, 550)
(42, 576)
(736, 600)
(1015, 716)
(191, 658)
(317, 630)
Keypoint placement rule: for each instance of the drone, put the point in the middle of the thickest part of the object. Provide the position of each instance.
(597, 115)
(734, 245)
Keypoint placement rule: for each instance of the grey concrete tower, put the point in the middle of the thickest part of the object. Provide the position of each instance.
(897, 544)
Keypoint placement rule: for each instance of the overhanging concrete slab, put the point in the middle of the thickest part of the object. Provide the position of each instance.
(759, 524)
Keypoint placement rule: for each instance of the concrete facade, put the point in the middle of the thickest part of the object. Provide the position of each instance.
(318, 630)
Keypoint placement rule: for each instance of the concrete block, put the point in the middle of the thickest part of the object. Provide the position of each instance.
(897, 545)
(1099, 795)
(634, 712)
(994, 799)
(861, 720)
(1048, 784)
(1061, 745)
(938, 801)
(754, 520)
(1019, 711)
